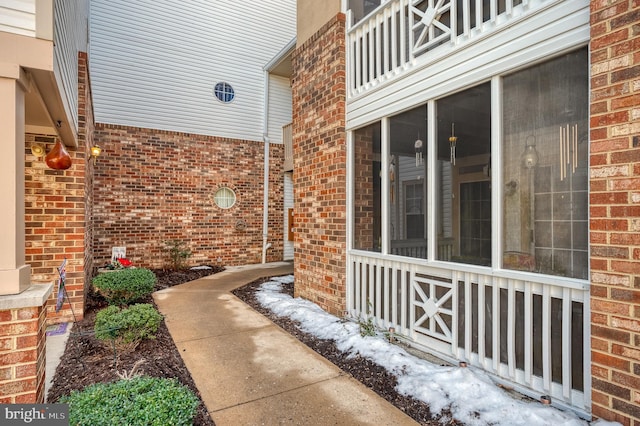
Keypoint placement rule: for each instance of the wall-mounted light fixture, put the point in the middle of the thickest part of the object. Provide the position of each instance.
(37, 149)
(95, 152)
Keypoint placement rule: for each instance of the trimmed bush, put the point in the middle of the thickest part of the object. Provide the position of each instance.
(137, 401)
(125, 286)
(127, 327)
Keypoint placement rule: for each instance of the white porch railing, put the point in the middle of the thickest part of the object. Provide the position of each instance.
(401, 35)
(528, 334)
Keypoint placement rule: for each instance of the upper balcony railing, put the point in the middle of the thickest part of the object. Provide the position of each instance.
(400, 35)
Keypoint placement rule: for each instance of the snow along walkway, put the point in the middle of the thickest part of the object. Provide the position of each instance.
(468, 393)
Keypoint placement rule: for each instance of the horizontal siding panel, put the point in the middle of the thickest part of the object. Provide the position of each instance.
(70, 37)
(18, 17)
(279, 106)
(155, 64)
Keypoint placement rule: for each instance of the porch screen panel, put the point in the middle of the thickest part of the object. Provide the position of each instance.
(367, 187)
(545, 167)
(464, 170)
(407, 183)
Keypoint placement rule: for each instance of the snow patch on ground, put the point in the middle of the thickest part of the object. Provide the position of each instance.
(471, 396)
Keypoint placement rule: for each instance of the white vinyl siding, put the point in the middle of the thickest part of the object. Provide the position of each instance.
(70, 37)
(279, 106)
(288, 204)
(155, 64)
(18, 17)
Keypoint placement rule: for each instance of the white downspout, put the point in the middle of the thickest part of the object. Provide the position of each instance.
(265, 139)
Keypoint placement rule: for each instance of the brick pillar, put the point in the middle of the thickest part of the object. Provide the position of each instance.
(22, 305)
(320, 161)
(615, 210)
(22, 346)
(86, 129)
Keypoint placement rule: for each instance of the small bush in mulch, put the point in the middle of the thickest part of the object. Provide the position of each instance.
(135, 401)
(127, 327)
(124, 286)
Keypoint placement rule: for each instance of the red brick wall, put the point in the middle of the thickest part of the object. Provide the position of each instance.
(152, 186)
(320, 159)
(86, 130)
(55, 224)
(615, 210)
(57, 211)
(22, 356)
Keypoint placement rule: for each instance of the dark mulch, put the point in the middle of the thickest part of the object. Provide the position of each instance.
(87, 360)
(362, 369)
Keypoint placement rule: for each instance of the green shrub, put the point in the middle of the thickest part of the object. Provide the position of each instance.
(124, 286)
(127, 327)
(178, 254)
(137, 401)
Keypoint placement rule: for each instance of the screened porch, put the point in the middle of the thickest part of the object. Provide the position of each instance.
(469, 211)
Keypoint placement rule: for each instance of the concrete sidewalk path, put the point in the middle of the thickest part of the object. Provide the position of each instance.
(251, 372)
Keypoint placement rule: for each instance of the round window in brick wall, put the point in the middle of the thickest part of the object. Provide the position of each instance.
(224, 92)
(224, 198)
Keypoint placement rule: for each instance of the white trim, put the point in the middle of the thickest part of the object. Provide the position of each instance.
(385, 132)
(432, 176)
(281, 55)
(496, 173)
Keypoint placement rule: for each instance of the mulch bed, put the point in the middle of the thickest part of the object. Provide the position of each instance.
(87, 360)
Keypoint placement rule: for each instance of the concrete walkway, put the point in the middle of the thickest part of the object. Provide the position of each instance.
(251, 372)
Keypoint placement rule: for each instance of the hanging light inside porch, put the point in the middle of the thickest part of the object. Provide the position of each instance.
(452, 144)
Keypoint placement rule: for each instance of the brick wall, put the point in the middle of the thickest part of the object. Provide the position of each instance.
(22, 355)
(320, 159)
(152, 186)
(57, 211)
(86, 130)
(55, 224)
(615, 210)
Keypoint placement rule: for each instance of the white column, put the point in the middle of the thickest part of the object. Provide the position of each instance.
(14, 274)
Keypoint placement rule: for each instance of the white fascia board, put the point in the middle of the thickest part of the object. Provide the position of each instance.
(281, 55)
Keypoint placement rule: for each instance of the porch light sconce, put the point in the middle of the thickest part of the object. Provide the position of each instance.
(95, 152)
(37, 150)
(530, 155)
(453, 140)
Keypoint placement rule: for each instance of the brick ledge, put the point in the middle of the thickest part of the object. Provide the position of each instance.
(35, 295)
